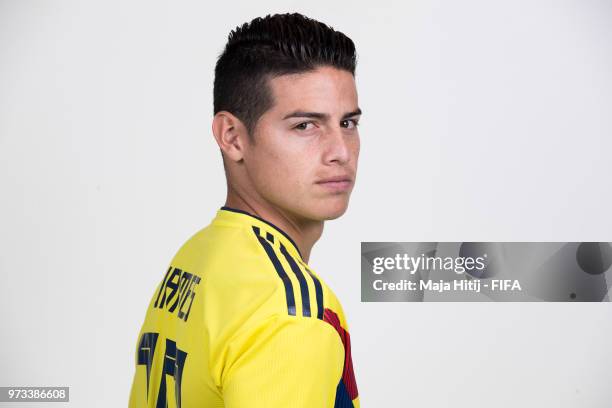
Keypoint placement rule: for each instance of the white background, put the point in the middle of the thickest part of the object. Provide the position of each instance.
(483, 121)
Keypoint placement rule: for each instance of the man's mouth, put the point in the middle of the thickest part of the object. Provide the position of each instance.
(336, 183)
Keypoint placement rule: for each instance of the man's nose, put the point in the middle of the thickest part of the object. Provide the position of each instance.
(336, 146)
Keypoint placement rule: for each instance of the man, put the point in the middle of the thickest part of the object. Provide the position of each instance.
(240, 319)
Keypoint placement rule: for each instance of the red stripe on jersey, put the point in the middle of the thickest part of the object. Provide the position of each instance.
(348, 376)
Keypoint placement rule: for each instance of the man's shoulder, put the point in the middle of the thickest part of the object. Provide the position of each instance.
(233, 266)
(216, 248)
(253, 271)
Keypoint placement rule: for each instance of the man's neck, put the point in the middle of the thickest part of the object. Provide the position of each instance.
(303, 232)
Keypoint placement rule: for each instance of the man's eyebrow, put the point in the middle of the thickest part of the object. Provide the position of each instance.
(305, 114)
(351, 114)
(319, 115)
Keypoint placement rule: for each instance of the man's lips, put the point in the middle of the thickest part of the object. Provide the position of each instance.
(335, 179)
(336, 183)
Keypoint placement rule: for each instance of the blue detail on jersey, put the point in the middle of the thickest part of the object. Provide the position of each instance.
(318, 291)
(279, 270)
(146, 350)
(300, 276)
(342, 398)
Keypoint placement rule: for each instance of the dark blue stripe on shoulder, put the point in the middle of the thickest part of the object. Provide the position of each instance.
(318, 291)
(279, 270)
(300, 276)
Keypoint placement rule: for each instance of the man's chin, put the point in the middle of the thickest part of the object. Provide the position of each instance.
(332, 211)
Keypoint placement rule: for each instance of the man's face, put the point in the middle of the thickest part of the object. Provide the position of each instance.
(304, 159)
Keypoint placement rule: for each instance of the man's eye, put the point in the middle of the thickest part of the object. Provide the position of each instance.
(303, 126)
(349, 123)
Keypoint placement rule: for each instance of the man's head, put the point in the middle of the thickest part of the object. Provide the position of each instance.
(286, 110)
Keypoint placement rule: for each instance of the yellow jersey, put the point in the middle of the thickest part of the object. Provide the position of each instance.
(240, 320)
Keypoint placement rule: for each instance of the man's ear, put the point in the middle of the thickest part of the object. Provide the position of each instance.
(230, 134)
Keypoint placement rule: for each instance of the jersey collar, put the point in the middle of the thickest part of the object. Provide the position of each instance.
(247, 214)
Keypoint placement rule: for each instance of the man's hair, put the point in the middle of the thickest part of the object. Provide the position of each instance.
(268, 47)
